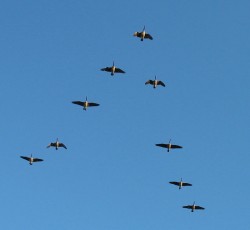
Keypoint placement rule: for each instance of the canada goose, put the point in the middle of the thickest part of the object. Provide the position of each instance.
(113, 69)
(193, 207)
(31, 159)
(85, 103)
(155, 83)
(142, 35)
(169, 146)
(180, 183)
(56, 144)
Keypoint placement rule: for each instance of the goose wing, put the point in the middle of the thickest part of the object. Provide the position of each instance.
(176, 146)
(160, 83)
(118, 70)
(188, 206)
(37, 159)
(62, 145)
(93, 104)
(51, 144)
(148, 36)
(163, 145)
(199, 207)
(138, 34)
(151, 82)
(25, 158)
(174, 182)
(186, 184)
(81, 103)
(108, 69)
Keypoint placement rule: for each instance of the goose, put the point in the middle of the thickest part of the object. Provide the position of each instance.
(31, 159)
(155, 83)
(85, 104)
(113, 69)
(56, 144)
(193, 207)
(142, 35)
(180, 183)
(169, 146)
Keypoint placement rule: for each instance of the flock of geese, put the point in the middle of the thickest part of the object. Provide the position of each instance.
(85, 104)
(180, 183)
(56, 144)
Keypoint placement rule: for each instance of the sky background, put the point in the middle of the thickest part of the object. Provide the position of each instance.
(112, 176)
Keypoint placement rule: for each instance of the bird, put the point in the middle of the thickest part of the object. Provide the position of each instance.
(180, 183)
(155, 83)
(31, 159)
(56, 144)
(113, 69)
(143, 35)
(85, 103)
(193, 207)
(169, 146)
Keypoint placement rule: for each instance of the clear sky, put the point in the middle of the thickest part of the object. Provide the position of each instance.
(112, 176)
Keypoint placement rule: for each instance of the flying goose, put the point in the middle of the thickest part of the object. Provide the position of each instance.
(85, 103)
(193, 207)
(31, 159)
(56, 144)
(142, 35)
(169, 146)
(113, 69)
(180, 183)
(155, 83)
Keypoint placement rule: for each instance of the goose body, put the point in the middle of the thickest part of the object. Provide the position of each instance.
(113, 69)
(85, 104)
(193, 207)
(31, 159)
(143, 35)
(180, 183)
(56, 144)
(155, 83)
(169, 146)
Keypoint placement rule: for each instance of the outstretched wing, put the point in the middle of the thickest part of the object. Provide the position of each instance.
(108, 69)
(176, 146)
(138, 34)
(62, 145)
(163, 145)
(148, 36)
(186, 184)
(51, 144)
(174, 182)
(93, 104)
(149, 82)
(199, 207)
(160, 83)
(37, 159)
(25, 158)
(118, 70)
(78, 103)
(188, 206)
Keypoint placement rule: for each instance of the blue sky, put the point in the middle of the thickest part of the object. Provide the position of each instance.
(112, 176)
